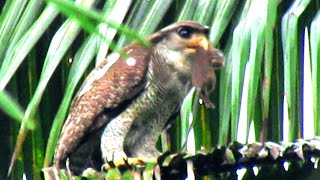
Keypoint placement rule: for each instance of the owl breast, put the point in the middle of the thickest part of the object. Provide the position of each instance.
(145, 118)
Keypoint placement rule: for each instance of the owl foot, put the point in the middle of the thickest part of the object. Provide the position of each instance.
(120, 159)
(116, 159)
(125, 162)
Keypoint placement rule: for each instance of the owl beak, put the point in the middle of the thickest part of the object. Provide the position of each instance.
(199, 41)
(204, 43)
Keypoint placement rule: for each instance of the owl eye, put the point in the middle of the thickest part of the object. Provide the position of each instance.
(185, 32)
(206, 32)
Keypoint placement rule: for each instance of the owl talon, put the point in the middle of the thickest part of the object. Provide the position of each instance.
(107, 166)
(124, 162)
(115, 159)
(135, 162)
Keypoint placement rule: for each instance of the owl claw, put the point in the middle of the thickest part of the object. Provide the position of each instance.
(115, 159)
(120, 159)
(107, 166)
(135, 161)
(125, 162)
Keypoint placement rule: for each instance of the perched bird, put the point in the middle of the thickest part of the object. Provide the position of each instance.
(126, 102)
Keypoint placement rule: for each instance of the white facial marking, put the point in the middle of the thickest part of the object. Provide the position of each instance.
(97, 74)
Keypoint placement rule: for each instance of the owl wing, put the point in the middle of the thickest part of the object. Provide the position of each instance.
(107, 87)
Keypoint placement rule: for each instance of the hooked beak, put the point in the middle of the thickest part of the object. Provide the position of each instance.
(199, 41)
(204, 43)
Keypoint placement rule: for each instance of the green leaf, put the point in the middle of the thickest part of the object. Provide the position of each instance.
(90, 19)
(292, 126)
(8, 22)
(269, 60)
(12, 108)
(315, 64)
(17, 52)
(221, 18)
(156, 11)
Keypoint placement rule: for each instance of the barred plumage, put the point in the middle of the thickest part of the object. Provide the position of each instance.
(125, 103)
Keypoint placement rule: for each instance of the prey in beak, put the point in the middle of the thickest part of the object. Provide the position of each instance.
(207, 60)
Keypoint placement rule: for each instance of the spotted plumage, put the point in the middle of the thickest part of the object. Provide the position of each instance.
(125, 103)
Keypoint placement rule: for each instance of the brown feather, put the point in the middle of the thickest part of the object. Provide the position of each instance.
(121, 82)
